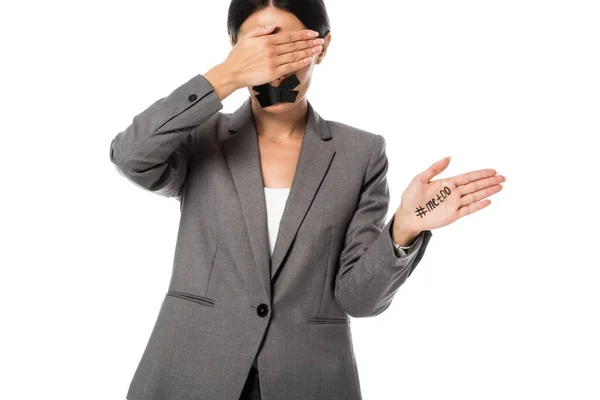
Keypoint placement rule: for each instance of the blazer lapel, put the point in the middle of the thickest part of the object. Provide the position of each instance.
(316, 154)
(242, 154)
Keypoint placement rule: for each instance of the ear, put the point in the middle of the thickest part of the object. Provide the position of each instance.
(325, 45)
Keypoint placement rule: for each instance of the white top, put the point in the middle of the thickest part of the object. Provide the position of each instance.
(275, 200)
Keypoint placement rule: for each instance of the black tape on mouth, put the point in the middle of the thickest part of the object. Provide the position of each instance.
(269, 94)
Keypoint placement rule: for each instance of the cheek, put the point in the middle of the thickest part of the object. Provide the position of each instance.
(304, 72)
(304, 80)
(304, 75)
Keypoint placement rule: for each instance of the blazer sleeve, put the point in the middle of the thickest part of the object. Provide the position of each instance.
(370, 272)
(153, 152)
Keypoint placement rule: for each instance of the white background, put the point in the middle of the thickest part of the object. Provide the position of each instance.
(505, 302)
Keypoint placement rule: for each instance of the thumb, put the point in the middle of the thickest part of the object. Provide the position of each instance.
(435, 169)
(261, 30)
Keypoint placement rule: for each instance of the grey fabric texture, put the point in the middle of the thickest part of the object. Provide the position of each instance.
(228, 305)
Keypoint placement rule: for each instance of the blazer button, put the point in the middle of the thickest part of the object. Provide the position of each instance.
(262, 310)
(192, 97)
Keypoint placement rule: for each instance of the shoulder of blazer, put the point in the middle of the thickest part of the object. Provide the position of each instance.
(356, 143)
(351, 133)
(210, 128)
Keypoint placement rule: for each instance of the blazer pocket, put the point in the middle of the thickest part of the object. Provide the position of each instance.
(321, 320)
(205, 301)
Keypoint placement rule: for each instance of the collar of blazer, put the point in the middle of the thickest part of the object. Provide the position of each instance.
(242, 155)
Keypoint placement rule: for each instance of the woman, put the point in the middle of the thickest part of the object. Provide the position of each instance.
(282, 234)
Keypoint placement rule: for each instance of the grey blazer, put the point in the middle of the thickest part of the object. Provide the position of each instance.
(228, 302)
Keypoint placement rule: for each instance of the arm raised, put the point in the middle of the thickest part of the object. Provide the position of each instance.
(153, 152)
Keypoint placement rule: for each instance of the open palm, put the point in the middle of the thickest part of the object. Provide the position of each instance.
(428, 204)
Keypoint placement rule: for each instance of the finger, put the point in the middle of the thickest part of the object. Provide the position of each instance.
(434, 170)
(293, 66)
(297, 55)
(472, 176)
(292, 36)
(296, 46)
(471, 208)
(480, 184)
(258, 31)
(480, 195)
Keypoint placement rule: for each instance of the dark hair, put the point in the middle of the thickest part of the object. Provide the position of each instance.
(311, 13)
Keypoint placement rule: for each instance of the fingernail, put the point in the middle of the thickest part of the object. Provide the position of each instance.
(269, 26)
(313, 34)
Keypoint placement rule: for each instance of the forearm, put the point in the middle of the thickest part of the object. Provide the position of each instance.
(367, 287)
(154, 149)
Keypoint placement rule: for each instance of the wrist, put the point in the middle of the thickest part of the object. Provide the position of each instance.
(402, 234)
(223, 80)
